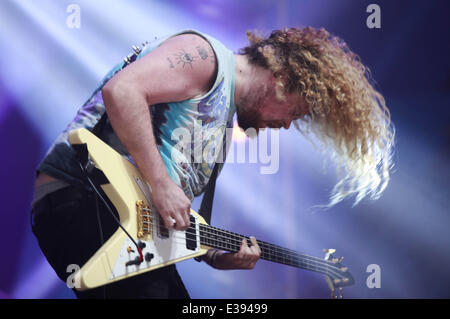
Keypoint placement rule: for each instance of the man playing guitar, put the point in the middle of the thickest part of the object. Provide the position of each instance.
(304, 77)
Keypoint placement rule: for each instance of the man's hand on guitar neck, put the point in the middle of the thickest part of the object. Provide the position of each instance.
(245, 258)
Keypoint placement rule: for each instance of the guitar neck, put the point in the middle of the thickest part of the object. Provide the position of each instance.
(229, 241)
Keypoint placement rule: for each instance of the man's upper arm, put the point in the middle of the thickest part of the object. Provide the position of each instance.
(180, 68)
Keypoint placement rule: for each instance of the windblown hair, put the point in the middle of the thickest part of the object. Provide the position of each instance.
(347, 116)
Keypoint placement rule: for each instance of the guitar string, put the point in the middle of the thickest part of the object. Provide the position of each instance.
(318, 267)
(317, 263)
(239, 238)
(285, 250)
(325, 269)
(235, 241)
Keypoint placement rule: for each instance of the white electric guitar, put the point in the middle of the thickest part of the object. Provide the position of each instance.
(142, 243)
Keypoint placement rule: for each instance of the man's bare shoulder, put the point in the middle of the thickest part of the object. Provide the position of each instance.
(182, 67)
(199, 45)
(191, 51)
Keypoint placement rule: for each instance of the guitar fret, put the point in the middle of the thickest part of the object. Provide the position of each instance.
(229, 241)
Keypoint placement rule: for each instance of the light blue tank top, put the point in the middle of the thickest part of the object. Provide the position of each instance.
(190, 135)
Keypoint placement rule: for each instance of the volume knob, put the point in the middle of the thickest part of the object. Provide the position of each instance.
(148, 257)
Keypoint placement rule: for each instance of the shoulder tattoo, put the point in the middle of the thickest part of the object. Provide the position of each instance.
(184, 58)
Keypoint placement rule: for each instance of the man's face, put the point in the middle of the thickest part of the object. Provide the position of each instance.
(269, 111)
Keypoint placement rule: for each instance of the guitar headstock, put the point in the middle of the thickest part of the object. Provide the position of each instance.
(337, 275)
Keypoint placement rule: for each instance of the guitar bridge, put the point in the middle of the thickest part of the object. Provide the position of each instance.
(144, 220)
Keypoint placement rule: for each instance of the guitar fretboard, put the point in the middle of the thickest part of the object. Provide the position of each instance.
(229, 241)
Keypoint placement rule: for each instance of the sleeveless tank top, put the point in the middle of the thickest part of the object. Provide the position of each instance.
(190, 135)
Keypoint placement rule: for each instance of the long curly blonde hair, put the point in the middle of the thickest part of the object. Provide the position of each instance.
(347, 115)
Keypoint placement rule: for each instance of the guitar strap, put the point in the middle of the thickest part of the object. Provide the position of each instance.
(98, 128)
(208, 197)
(207, 200)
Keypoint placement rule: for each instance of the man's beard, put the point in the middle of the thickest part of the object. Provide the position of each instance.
(248, 120)
(248, 115)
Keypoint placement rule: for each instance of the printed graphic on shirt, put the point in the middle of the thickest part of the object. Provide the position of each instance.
(213, 108)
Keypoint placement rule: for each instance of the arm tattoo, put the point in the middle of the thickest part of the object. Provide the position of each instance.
(171, 64)
(202, 52)
(184, 58)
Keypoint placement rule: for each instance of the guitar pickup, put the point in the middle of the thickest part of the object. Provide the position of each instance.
(191, 234)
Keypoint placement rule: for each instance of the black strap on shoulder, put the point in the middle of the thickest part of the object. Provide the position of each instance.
(207, 200)
(208, 197)
(98, 128)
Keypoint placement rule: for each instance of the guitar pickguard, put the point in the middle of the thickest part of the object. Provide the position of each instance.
(166, 248)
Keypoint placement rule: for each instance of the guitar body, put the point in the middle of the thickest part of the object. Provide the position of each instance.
(131, 197)
(142, 243)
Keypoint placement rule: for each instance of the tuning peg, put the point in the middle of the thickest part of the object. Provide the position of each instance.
(337, 281)
(337, 260)
(329, 253)
(333, 295)
(344, 269)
